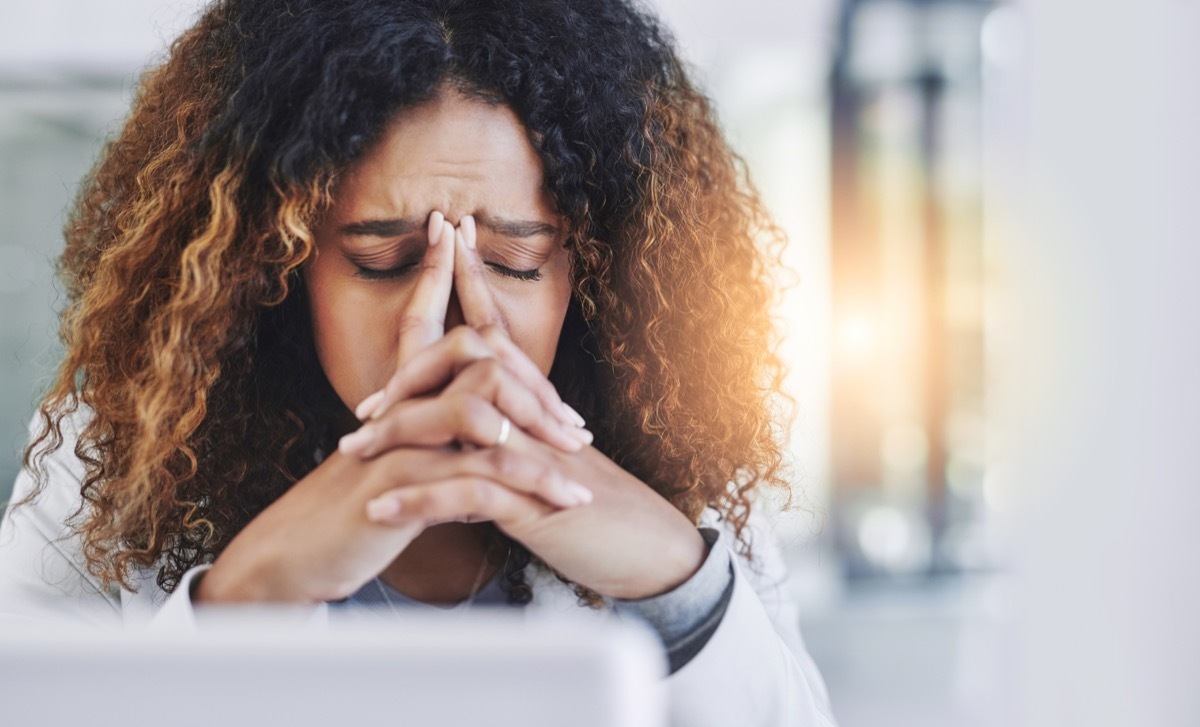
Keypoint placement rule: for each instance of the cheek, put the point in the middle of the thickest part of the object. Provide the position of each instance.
(355, 333)
(534, 317)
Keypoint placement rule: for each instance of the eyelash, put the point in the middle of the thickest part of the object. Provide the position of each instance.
(393, 273)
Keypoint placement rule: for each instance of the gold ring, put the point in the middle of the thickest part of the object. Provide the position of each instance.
(505, 430)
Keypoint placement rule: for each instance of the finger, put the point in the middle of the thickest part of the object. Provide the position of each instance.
(460, 499)
(367, 406)
(423, 320)
(492, 380)
(429, 422)
(474, 295)
(438, 364)
(529, 373)
(521, 471)
(427, 371)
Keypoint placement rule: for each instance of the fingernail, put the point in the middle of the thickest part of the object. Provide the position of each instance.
(468, 242)
(579, 494)
(468, 227)
(435, 227)
(368, 405)
(356, 442)
(574, 415)
(582, 435)
(383, 508)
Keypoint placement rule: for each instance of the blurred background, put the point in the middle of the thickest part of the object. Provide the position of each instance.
(991, 323)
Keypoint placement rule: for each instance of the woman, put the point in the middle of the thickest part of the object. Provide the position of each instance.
(329, 290)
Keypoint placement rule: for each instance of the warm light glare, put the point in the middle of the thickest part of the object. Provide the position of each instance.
(856, 335)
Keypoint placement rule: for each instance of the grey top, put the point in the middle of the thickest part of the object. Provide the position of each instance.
(684, 617)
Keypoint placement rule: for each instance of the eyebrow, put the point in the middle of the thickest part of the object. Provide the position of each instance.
(379, 228)
(516, 228)
(500, 225)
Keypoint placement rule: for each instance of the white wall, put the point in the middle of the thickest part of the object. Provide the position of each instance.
(89, 35)
(1105, 353)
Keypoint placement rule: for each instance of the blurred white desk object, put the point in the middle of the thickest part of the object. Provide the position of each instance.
(488, 669)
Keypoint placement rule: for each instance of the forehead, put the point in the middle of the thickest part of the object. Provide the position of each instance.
(454, 154)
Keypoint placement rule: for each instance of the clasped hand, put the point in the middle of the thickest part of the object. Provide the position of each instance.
(428, 453)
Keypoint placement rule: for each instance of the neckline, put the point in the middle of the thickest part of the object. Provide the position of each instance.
(481, 596)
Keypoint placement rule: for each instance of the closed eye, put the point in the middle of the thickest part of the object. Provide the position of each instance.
(534, 274)
(400, 271)
(389, 274)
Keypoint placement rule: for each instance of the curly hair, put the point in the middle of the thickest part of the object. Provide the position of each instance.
(186, 331)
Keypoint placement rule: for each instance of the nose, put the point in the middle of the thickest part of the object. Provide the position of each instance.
(454, 312)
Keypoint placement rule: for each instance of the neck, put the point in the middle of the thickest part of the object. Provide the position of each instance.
(444, 564)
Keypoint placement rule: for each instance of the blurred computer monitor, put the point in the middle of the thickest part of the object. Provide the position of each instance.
(256, 669)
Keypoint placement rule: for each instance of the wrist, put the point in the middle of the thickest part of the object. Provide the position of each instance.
(680, 564)
(225, 583)
(212, 587)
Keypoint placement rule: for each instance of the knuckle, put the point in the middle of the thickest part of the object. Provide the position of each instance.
(493, 334)
(547, 481)
(489, 371)
(472, 336)
(391, 429)
(465, 339)
(438, 501)
(481, 494)
(504, 463)
(381, 437)
(471, 411)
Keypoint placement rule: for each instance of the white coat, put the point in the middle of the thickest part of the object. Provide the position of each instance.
(753, 672)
